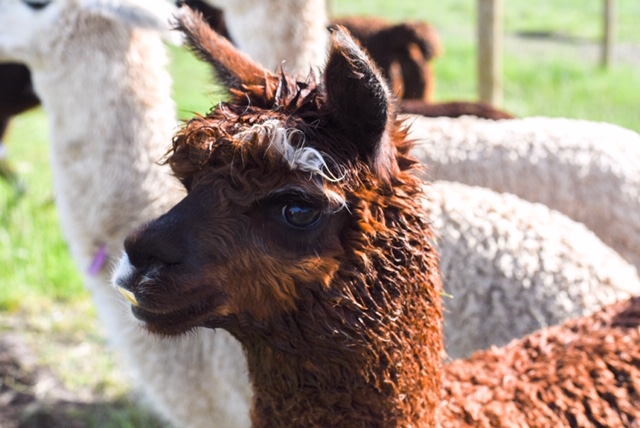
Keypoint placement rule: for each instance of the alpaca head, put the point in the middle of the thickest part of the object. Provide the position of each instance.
(24, 24)
(31, 30)
(303, 234)
(291, 184)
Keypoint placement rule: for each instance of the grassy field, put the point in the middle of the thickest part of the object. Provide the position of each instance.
(557, 75)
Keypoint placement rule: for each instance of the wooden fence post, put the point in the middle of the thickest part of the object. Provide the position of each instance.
(489, 34)
(608, 32)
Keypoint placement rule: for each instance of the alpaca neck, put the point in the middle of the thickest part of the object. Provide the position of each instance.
(332, 364)
(294, 32)
(110, 118)
(108, 92)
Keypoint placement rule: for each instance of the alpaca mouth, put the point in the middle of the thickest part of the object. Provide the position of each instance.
(162, 318)
(127, 279)
(161, 313)
(129, 296)
(165, 324)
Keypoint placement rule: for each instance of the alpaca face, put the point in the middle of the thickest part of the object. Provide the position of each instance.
(38, 32)
(25, 26)
(277, 178)
(239, 247)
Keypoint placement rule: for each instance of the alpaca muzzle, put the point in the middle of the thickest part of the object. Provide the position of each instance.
(129, 296)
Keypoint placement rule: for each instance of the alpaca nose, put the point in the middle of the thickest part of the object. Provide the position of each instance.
(157, 242)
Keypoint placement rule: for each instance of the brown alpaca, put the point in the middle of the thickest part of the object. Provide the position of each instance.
(304, 235)
(16, 96)
(283, 177)
(403, 52)
(453, 109)
(16, 93)
(585, 373)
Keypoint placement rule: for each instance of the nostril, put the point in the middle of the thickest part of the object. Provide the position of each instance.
(154, 244)
(135, 249)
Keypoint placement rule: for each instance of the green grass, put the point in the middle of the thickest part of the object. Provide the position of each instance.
(603, 99)
(34, 261)
(193, 89)
(456, 18)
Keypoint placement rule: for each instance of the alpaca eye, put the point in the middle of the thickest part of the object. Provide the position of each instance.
(37, 4)
(301, 215)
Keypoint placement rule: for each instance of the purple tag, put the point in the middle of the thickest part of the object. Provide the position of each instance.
(98, 261)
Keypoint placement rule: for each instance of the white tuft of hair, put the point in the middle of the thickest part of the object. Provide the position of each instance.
(300, 158)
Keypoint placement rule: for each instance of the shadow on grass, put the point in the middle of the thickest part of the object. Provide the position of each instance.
(31, 397)
(556, 36)
(68, 414)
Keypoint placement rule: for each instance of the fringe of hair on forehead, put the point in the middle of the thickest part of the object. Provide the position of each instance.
(299, 158)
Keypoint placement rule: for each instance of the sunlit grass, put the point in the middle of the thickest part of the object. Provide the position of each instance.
(34, 260)
(575, 90)
(548, 86)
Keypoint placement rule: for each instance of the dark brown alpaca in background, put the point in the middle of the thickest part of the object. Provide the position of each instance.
(304, 235)
(403, 52)
(16, 93)
(16, 96)
(453, 109)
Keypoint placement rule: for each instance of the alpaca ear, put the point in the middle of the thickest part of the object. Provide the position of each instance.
(234, 69)
(358, 98)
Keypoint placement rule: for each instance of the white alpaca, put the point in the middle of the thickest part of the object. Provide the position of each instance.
(589, 171)
(105, 87)
(273, 31)
(510, 267)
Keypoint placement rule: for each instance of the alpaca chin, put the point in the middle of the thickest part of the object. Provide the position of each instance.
(163, 318)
